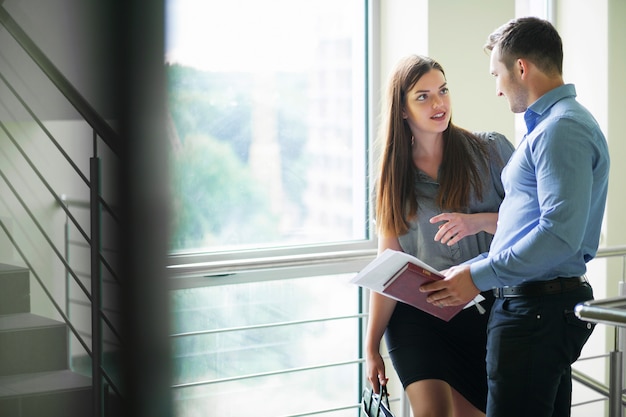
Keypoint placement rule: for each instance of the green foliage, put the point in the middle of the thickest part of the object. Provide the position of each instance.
(218, 201)
(214, 196)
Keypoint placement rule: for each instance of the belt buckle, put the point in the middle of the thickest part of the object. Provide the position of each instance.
(497, 292)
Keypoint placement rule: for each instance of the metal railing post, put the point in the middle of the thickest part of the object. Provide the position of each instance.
(66, 254)
(96, 286)
(615, 383)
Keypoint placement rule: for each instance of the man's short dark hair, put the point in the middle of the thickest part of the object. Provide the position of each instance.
(529, 38)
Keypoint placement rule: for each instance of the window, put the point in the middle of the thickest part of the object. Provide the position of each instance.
(267, 349)
(268, 122)
(268, 105)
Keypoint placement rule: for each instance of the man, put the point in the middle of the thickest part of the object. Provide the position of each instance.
(549, 227)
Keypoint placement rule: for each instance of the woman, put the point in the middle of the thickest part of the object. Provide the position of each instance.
(437, 197)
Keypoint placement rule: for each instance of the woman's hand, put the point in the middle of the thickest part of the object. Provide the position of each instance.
(459, 225)
(376, 371)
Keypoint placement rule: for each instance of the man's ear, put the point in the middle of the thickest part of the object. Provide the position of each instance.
(522, 67)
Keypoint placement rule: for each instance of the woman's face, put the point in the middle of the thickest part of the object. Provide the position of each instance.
(427, 107)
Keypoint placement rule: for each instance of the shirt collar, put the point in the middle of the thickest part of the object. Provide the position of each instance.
(545, 102)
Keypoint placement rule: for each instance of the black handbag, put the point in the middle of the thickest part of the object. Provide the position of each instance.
(374, 405)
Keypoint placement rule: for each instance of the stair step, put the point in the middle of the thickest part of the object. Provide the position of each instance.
(50, 394)
(14, 289)
(30, 343)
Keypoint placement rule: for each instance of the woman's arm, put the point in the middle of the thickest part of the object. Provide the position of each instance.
(380, 311)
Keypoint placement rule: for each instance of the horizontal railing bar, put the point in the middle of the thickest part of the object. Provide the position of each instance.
(323, 258)
(83, 245)
(108, 342)
(265, 326)
(330, 410)
(608, 311)
(86, 205)
(590, 382)
(612, 251)
(325, 411)
(84, 276)
(597, 400)
(102, 258)
(266, 374)
(209, 268)
(586, 358)
(234, 265)
(232, 269)
(109, 268)
(83, 303)
(270, 268)
(593, 384)
(108, 322)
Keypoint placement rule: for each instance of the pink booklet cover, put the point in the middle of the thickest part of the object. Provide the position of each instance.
(404, 287)
(399, 275)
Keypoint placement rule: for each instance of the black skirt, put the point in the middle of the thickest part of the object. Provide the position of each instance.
(424, 347)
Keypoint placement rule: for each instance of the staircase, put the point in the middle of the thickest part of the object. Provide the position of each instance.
(35, 379)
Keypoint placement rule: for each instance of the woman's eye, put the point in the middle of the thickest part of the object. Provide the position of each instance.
(445, 91)
(422, 97)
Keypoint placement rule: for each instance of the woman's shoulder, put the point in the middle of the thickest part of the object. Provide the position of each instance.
(490, 136)
(497, 141)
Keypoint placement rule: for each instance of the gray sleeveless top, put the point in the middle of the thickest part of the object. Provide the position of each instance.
(419, 241)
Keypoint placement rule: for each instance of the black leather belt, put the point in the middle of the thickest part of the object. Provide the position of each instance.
(533, 289)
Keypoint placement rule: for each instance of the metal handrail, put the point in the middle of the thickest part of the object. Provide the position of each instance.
(265, 326)
(607, 311)
(289, 261)
(103, 131)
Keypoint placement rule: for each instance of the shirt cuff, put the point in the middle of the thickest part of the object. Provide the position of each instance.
(483, 275)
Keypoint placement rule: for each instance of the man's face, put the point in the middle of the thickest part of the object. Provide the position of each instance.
(509, 82)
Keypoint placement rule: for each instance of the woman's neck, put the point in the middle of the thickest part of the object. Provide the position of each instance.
(428, 154)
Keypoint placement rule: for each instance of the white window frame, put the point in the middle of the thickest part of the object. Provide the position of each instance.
(189, 270)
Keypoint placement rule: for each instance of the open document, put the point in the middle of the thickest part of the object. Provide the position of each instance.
(399, 275)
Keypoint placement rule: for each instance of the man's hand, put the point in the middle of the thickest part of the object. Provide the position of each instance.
(456, 289)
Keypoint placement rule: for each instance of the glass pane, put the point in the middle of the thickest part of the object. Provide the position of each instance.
(305, 393)
(291, 345)
(268, 122)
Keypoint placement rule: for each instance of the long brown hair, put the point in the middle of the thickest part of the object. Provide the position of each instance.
(396, 200)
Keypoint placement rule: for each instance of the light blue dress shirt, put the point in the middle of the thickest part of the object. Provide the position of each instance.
(555, 185)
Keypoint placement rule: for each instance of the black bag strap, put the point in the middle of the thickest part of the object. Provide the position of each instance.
(381, 400)
(383, 395)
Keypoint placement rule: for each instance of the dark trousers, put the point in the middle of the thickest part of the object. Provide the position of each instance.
(531, 344)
